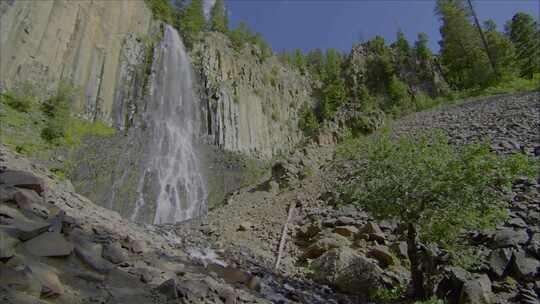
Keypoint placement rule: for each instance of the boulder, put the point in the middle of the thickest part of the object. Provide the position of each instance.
(509, 238)
(477, 291)
(400, 248)
(345, 221)
(374, 231)
(524, 267)
(382, 255)
(169, 289)
(326, 243)
(22, 179)
(499, 260)
(347, 271)
(49, 244)
(346, 231)
(22, 280)
(7, 243)
(7, 193)
(30, 201)
(114, 253)
(50, 283)
(90, 253)
(452, 283)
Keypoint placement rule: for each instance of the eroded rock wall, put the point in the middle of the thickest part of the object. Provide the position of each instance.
(97, 45)
(250, 105)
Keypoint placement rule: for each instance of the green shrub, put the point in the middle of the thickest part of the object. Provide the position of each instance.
(20, 98)
(432, 300)
(436, 190)
(442, 189)
(162, 10)
(308, 121)
(57, 110)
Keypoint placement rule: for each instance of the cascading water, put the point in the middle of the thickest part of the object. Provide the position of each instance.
(173, 120)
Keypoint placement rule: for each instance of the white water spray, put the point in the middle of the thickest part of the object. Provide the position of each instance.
(173, 118)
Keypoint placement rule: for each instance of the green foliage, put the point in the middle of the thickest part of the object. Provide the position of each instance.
(57, 110)
(388, 295)
(162, 10)
(20, 99)
(427, 182)
(192, 22)
(308, 121)
(219, 21)
(432, 300)
(524, 32)
(380, 68)
(398, 93)
(242, 35)
(299, 61)
(334, 95)
(402, 44)
(421, 49)
(462, 53)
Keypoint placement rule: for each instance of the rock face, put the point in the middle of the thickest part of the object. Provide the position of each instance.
(97, 45)
(250, 105)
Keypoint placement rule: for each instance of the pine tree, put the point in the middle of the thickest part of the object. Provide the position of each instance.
(299, 61)
(524, 33)
(501, 49)
(422, 51)
(465, 61)
(402, 45)
(192, 22)
(219, 20)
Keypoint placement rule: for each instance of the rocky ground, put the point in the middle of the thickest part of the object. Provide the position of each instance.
(58, 247)
(347, 249)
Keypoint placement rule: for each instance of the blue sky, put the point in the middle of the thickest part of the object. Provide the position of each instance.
(309, 24)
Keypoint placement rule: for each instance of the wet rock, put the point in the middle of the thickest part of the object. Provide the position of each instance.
(509, 238)
(169, 289)
(524, 267)
(528, 296)
(7, 243)
(346, 231)
(114, 253)
(49, 244)
(382, 254)
(193, 289)
(22, 179)
(325, 244)
(499, 260)
(477, 291)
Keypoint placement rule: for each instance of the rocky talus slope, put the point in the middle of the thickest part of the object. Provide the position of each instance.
(348, 250)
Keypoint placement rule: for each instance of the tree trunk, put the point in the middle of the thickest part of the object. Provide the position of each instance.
(484, 41)
(417, 276)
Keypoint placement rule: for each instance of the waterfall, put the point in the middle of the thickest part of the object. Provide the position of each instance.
(173, 122)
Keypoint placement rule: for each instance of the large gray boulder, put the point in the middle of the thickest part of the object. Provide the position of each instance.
(348, 271)
(477, 291)
(22, 179)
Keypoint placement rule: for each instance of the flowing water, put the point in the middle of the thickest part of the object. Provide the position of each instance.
(173, 120)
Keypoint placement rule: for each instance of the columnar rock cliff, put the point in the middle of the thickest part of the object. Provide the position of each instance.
(97, 45)
(251, 104)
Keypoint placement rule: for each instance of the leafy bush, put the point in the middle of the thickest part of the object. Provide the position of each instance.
(433, 188)
(430, 182)
(20, 98)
